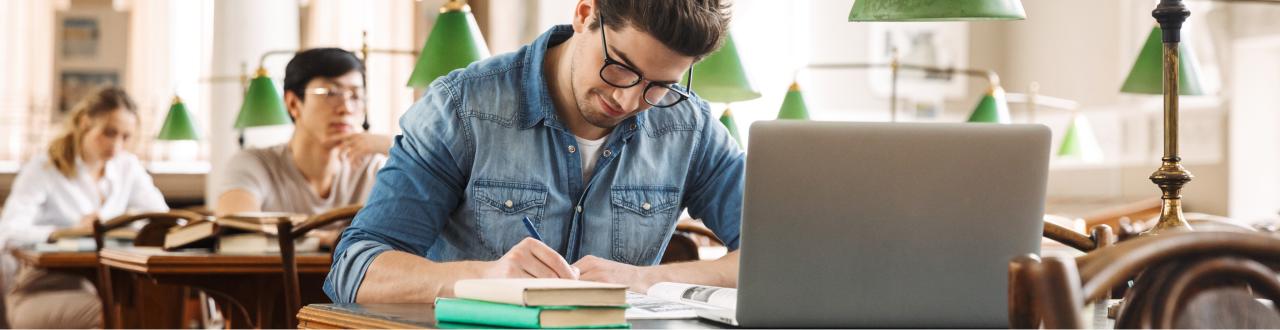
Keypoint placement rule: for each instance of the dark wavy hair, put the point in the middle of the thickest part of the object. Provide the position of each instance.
(689, 27)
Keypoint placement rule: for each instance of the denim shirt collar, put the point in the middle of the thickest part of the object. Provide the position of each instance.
(538, 106)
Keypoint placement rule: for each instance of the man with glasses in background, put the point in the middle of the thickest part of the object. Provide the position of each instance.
(329, 162)
(585, 133)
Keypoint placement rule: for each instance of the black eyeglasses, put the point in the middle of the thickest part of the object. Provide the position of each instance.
(620, 75)
(337, 96)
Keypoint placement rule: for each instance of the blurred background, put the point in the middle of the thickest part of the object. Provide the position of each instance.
(1063, 66)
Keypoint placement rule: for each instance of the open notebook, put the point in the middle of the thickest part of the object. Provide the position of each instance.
(668, 300)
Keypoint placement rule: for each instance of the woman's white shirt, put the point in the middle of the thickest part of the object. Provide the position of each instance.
(43, 200)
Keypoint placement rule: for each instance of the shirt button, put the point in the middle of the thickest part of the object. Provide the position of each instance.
(578, 209)
(572, 149)
(633, 126)
(509, 204)
(607, 153)
(645, 206)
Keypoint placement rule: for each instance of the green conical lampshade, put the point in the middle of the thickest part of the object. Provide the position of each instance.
(793, 106)
(992, 109)
(177, 124)
(727, 120)
(262, 104)
(720, 78)
(455, 42)
(1147, 75)
(935, 10)
(1079, 141)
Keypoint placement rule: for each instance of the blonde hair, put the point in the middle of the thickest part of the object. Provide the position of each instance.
(66, 147)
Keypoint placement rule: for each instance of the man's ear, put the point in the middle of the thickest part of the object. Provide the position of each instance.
(583, 15)
(293, 104)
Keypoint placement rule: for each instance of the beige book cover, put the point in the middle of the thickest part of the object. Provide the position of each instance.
(542, 292)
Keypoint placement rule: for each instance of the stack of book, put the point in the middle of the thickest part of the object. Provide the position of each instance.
(534, 303)
(237, 233)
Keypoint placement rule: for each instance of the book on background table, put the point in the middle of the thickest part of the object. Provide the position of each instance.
(77, 239)
(259, 221)
(668, 300)
(542, 292)
(258, 243)
(468, 312)
(242, 233)
(79, 232)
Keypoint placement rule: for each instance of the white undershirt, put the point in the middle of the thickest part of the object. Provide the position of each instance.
(590, 152)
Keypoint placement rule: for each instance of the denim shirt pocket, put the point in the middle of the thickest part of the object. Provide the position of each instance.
(643, 218)
(500, 210)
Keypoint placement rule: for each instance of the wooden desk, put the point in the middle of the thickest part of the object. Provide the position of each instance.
(249, 288)
(411, 316)
(83, 263)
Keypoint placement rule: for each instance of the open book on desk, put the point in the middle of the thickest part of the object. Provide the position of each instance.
(668, 300)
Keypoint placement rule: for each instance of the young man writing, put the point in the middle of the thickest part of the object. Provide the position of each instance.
(586, 133)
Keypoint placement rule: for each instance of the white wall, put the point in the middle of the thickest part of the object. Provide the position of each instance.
(1255, 148)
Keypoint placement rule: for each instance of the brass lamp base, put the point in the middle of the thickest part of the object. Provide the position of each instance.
(1171, 176)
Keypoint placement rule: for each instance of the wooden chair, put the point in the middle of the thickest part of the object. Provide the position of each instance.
(683, 247)
(152, 234)
(287, 235)
(1023, 313)
(1183, 279)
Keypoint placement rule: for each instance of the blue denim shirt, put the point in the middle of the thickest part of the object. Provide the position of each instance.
(484, 148)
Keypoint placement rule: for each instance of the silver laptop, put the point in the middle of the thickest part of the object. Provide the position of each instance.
(886, 225)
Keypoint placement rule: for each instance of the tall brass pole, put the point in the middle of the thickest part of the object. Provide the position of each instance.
(1171, 176)
(893, 87)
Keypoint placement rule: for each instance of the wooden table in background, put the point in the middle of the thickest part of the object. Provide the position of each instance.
(166, 301)
(248, 287)
(411, 316)
(83, 263)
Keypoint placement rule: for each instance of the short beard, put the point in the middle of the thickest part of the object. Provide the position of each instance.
(582, 104)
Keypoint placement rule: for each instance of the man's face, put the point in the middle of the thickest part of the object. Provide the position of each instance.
(602, 104)
(332, 108)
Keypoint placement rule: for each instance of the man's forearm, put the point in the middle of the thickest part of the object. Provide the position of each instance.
(722, 272)
(400, 277)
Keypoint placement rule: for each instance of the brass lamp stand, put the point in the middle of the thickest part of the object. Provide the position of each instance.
(1171, 176)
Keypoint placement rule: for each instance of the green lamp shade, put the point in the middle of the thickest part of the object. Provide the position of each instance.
(935, 10)
(455, 42)
(1080, 142)
(262, 105)
(719, 77)
(793, 106)
(177, 124)
(1147, 75)
(992, 109)
(727, 120)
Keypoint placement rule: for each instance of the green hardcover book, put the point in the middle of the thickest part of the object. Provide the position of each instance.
(466, 311)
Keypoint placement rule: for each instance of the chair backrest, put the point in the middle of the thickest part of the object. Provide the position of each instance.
(683, 247)
(1175, 273)
(287, 234)
(150, 235)
(1022, 312)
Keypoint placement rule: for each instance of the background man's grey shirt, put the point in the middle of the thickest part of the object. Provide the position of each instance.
(271, 175)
